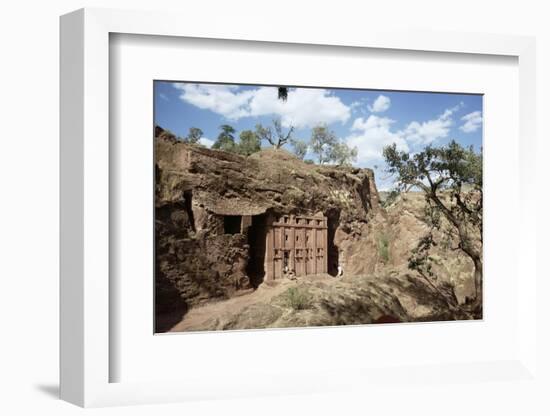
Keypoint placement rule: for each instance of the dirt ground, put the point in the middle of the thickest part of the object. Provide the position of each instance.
(199, 317)
(324, 300)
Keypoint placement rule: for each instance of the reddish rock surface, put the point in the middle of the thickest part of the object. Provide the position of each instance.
(198, 192)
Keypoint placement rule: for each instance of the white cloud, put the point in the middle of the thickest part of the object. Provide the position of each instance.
(221, 99)
(359, 106)
(429, 131)
(381, 104)
(304, 107)
(206, 142)
(371, 136)
(472, 122)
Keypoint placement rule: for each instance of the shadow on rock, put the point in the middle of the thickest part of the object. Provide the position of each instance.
(436, 306)
(170, 308)
(363, 305)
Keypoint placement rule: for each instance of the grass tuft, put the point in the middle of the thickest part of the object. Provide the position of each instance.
(298, 299)
(384, 248)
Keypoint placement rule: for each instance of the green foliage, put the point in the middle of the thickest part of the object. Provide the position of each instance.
(451, 178)
(342, 154)
(194, 135)
(422, 262)
(391, 198)
(321, 142)
(298, 298)
(420, 259)
(384, 247)
(248, 140)
(249, 143)
(447, 167)
(452, 169)
(226, 139)
(328, 148)
(309, 161)
(299, 147)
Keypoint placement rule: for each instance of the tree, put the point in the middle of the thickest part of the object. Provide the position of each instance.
(328, 148)
(226, 139)
(451, 179)
(194, 135)
(422, 262)
(274, 136)
(341, 154)
(299, 147)
(322, 141)
(249, 143)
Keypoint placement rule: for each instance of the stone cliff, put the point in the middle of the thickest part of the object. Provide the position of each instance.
(210, 214)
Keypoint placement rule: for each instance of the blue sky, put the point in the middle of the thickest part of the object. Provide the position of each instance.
(367, 119)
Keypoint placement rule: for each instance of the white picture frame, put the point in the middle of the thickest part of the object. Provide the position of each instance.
(85, 216)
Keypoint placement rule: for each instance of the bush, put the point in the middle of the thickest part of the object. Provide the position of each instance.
(384, 247)
(390, 198)
(298, 299)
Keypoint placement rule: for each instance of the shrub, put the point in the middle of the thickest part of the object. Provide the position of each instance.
(298, 299)
(384, 247)
(390, 198)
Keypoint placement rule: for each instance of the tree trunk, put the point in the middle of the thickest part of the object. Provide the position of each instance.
(466, 244)
(478, 280)
(468, 247)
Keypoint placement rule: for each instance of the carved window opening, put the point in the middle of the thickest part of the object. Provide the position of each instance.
(232, 224)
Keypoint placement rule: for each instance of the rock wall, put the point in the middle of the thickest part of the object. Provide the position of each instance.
(196, 188)
(405, 226)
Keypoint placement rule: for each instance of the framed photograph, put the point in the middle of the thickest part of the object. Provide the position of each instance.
(279, 223)
(281, 213)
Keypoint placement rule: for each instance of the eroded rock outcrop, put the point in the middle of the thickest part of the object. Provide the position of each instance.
(405, 226)
(203, 253)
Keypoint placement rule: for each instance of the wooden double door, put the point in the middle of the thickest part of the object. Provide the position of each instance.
(297, 245)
